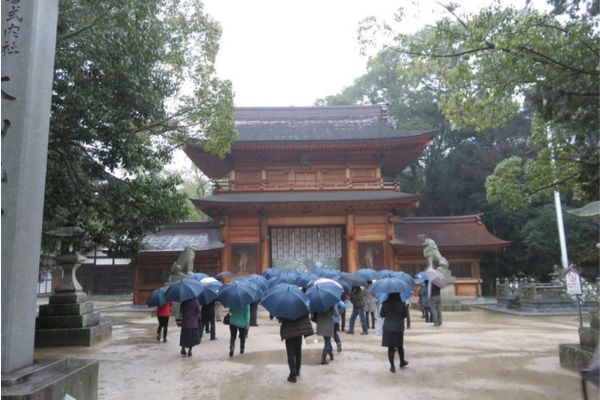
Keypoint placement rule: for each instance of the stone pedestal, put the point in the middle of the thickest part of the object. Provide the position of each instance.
(579, 356)
(52, 380)
(448, 294)
(69, 319)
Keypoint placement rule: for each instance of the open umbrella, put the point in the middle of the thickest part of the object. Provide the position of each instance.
(284, 277)
(305, 280)
(435, 277)
(211, 290)
(326, 272)
(286, 301)
(272, 272)
(198, 276)
(386, 273)
(157, 298)
(369, 274)
(222, 275)
(353, 279)
(184, 289)
(383, 287)
(238, 294)
(323, 297)
(258, 280)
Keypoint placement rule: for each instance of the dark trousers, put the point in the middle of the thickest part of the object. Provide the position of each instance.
(336, 336)
(293, 348)
(372, 324)
(163, 324)
(253, 314)
(233, 331)
(343, 319)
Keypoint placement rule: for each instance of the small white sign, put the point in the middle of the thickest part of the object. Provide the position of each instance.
(573, 283)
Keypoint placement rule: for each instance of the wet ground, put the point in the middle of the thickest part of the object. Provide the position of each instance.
(473, 355)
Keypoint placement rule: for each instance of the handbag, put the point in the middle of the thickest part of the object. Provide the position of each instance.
(226, 318)
(179, 319)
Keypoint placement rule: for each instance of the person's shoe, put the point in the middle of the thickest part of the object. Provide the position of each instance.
(403, 363)
(291, 378)
(182, 352)
(330, 355)
(364, 333)
(230, 352)
(189, 353)
(213, 338)
(242, 350)
(339, 347)
(324, 358)
(392, 369)
(350, 332)
(158, 336)
(165, 340)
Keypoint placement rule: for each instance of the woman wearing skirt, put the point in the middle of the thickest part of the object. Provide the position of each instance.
(394, 312)
(190, 333)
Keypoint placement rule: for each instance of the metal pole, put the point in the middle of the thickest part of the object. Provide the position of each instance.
(561, 231)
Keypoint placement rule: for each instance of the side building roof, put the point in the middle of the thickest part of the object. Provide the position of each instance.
(175, 237)
(456, 233)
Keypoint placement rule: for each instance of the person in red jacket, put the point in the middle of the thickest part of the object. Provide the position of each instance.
(163, 313)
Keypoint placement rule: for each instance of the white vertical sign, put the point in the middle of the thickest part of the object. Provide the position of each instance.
(573, 282)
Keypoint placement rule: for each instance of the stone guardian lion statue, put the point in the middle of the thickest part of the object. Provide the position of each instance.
(433, 256)
(186, 260)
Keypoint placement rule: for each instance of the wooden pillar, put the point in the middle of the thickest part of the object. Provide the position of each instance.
(226, 253)
(388, 250)
(265, 247)
(351, 245)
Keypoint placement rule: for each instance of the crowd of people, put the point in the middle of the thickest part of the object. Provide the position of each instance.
(390, 318)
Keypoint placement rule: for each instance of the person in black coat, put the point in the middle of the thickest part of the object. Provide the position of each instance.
(394, 312)
(207, 318)
(292, 332)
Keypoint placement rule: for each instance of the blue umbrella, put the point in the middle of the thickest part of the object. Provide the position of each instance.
(383, 287)
(368, 274)
(323, 297)
(238, 294)
(211, 290)
(306, 279)
(157, 298)
(272, 272)
(198, 276)
(386, 273)
(184, 289)
(286, 301)
(258, 280)
(353, 279)
(326, 272)
(284, 277)
(222, 275)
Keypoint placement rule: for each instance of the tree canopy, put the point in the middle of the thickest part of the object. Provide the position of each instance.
(489, 66)
(133, 80)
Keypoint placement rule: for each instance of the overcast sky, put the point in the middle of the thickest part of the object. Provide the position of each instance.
(292, 52)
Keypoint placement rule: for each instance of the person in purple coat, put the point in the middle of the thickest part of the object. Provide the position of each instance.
(190, 333)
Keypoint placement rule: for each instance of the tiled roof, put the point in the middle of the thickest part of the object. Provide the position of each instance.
(466, 232)
(176, 237)
(315, 124)
(324, 196)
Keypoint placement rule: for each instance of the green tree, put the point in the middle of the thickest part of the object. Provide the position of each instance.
(490, 65)
(543, 249)
(134, 80)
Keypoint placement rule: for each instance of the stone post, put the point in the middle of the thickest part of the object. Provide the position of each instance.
(28, 45)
